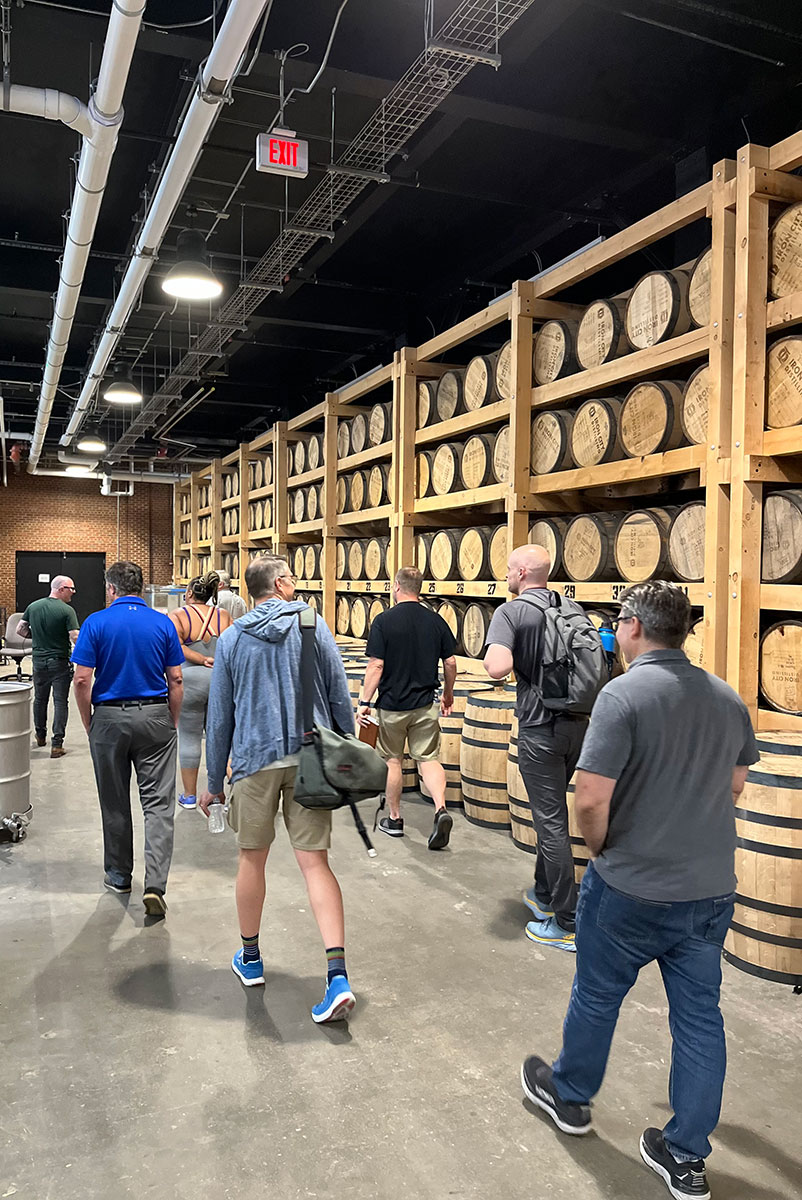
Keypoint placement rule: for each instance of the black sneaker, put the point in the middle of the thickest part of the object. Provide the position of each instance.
(443, 822)
(392, 826)
(538, 1087)
(155, 903)
(122, 889)
(683, 1179)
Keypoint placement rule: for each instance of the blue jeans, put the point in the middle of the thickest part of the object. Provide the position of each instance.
(616, 935)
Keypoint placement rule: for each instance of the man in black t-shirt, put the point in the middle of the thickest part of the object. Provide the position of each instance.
(405, 647)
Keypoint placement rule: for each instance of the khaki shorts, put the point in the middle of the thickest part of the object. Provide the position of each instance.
(419, 727)
(254, 807)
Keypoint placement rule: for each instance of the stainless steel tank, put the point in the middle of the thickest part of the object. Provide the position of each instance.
(15, 756)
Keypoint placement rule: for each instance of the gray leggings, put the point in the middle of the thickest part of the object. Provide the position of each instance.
(192, 721)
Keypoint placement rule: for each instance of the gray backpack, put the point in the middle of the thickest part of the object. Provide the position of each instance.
(573, 667)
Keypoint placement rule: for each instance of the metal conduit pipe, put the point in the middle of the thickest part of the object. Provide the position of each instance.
(106, 114)
(220, 70)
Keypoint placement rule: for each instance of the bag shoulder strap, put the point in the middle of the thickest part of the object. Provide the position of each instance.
(307, 620)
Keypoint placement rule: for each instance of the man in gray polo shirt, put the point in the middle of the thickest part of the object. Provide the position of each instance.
(665, 757)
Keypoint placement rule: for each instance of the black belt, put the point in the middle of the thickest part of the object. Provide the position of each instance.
(130, 703)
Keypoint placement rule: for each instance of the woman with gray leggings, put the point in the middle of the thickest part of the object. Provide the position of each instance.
(199, 624)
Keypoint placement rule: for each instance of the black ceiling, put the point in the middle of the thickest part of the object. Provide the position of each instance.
(598, 114)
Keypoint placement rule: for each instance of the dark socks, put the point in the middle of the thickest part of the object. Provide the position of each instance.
(250, 948)
(335, 959)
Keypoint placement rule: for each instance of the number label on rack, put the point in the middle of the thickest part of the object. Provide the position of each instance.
(569, 591)
(348, 585)
(432, 588)
(387, 586)
(491, 589)
(460, 588)
(618, 588)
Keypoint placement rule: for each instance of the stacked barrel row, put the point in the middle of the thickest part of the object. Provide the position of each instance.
(653, 417)
(260, 473)
(468, 620)
(664, 543)
(306, 561)
(183, 567)
(485, 380)
(784, 356)
(204, 529)
(306, 454)
(354, 615)
(371, 428)
(363, 489)
(363, 558)
(231, 564)
(231, 484)
(476, 553)
(184, 503)
(204, 495)
(230, 521)
(185, 532)
(306, 503)
(781, 642)
(260, 516)
(483, 458)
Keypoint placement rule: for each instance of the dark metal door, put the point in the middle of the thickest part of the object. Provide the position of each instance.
(35, 569)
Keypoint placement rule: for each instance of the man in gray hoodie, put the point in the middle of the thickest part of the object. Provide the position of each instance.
(254, 718)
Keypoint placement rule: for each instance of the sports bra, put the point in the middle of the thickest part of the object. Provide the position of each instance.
(206, 622)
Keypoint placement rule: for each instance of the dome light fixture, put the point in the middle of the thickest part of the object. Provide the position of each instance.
(81, 472)
(191, 279)
(91, 441)
(122, 389)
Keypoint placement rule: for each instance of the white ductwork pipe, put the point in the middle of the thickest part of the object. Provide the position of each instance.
(50, 104)
(122, 476)
(106, 114)
(212, 88)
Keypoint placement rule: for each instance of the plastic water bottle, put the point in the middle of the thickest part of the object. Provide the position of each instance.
(217, 818)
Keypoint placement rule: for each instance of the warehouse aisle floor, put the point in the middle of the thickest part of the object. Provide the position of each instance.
(134, 1064)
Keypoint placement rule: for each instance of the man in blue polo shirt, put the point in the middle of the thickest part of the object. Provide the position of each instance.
(131, 715)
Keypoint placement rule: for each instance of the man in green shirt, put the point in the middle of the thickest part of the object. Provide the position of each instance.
(53, 626)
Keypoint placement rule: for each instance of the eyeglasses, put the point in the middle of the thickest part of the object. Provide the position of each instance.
(292, 578)
(620, 621)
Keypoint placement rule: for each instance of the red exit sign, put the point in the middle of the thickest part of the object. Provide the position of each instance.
(282, 153)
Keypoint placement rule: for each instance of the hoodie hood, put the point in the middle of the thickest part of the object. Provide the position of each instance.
(272, 620)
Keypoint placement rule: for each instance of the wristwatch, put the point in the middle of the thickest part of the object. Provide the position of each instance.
(364, 704)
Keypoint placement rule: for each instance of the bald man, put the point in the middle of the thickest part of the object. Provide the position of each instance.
(53, 626)
(548, 743)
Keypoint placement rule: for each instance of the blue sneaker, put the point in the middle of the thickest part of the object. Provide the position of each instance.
(250, 973)
(338, 1002)
(549, 933)
(540, 913)
(187, 801)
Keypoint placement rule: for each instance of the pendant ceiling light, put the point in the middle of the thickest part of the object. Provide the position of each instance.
(91, 440)
(190, 278)
(122, 389)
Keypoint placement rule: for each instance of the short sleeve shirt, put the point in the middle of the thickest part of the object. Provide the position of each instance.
(130, 647)
(519, 626)
(670, 734)
(50, 620)
(411, 639)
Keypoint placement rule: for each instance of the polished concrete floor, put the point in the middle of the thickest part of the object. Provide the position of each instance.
(134, 1064)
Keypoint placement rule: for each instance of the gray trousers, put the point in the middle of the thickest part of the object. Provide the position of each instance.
(144, 738)
(55, 674)
(547, 758)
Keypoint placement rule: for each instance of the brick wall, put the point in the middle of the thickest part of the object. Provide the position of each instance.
(45, 513)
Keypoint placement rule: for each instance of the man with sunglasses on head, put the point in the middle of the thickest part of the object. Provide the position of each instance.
(663, 763)
(52, 625)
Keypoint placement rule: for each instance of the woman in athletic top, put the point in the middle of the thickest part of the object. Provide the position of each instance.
(199, 624)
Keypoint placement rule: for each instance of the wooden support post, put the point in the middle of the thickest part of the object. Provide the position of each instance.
(195, 486)
(719, 440)
(280, 495)
(748, 412)
(177, 493)
(522, 309)
(216, 496)
(405, 423)
(243, 466)
(328, 556)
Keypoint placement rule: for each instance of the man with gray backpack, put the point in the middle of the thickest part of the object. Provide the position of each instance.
(560, 666)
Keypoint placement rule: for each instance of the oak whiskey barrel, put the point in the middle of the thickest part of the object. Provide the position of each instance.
(765, 937)
(342, 619)
(594, 433)
(267, 471)
(501, 455)
(699, 289)
(554, 354)
(452, 612)
(344, 439)
(476, 463)
(267, 513)
(649, 422)
(479, 384)
(377, 606)
(785, 253)
(312, 502)
(422, 543)
(601, 336)
(375, 562)
(235, 520)
(298, 505)
(312, 562)
(341, 559)
(686, 543)
(781, 666)
(782, 537)
(694, 644)
(299, 457)
(784, 382)
(359, 617)
(658, 308)
(342, 493)
(641, 545)
(486, 731)
(356, 559)
(427, 394)
(448, 398)
(473, 554)
(380, 423)
(378, 485)
(357, 490)
(445, 468)
(475, 624)
(444, 554)
(499, 552)
(504, 376)
(226, 487)
(588, 549)
(549, 533)
(550, 447)
(695, 406)
(359, 433)
(314, 452)
(423, 473)
(298, 562)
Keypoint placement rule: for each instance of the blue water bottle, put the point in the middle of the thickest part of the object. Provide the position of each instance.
(607, 636)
